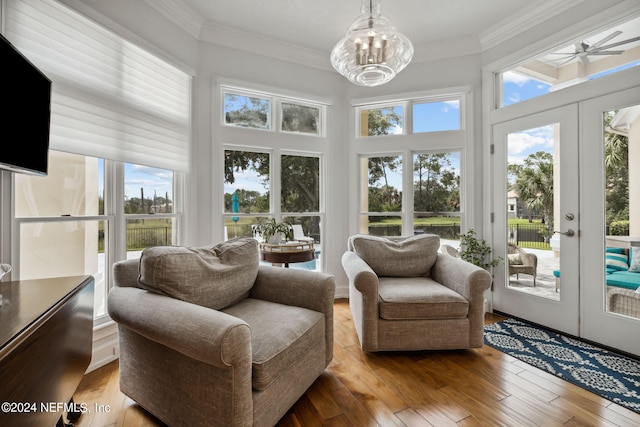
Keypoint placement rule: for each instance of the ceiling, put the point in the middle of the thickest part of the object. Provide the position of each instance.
(307, 29)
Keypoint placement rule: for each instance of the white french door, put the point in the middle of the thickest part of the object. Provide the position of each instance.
(615, 323)
(536, 188)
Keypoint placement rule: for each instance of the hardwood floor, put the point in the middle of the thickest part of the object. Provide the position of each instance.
(481, 387)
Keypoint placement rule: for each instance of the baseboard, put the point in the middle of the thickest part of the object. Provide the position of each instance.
(106, 347)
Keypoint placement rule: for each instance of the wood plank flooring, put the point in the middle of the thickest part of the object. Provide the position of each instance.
(481, 387)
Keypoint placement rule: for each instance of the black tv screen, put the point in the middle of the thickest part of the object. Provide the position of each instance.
(26, 113)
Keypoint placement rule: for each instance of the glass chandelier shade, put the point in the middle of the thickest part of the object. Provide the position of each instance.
(372, 52)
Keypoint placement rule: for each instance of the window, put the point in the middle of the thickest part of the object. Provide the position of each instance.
(259, 110)
(587, 58)
(416, 187)
(383, 196)
(67, 220)
(115, 107)
(247, 111)
(246, 190)
(300, 118)
(381, 121)
(436, 116)
(436, 198)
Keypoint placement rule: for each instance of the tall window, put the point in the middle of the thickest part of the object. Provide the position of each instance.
(68, 222)
(429, 139)
(115, 106)
(275, 174)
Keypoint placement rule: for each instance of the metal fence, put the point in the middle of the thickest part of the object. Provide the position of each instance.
(140, 238)
(528, 235)
(445, 231)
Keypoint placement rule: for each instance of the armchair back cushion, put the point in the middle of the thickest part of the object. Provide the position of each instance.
(214, 277)
(402, 257)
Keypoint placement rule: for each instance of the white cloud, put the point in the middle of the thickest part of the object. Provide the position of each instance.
(521, 144)
(515, 78)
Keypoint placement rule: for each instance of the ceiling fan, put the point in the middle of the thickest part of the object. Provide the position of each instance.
(584, 50)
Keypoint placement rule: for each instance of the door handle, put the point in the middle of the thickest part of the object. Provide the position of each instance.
(568, 233)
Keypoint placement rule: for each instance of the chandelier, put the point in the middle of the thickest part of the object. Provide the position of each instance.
(372, 52)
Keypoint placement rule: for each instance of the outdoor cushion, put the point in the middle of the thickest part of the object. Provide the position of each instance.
(419, 298)
(213, 277)
(405, 257)
(276, 341)
(634, 259)
(616, 260)
(624, 279)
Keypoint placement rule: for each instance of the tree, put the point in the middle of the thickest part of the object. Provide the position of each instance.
(298, 118)
(383, 198)
(616, 148)
(534, 185)
(300, 184)
(246, 111)
(436, 188)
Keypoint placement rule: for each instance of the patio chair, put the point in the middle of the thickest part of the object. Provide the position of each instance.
(521, 261)
(298, 234)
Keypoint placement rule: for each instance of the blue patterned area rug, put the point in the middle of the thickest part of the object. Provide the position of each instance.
(612, 376)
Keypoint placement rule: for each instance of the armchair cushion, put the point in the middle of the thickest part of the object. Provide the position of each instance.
(214, 277)
(406, 257)
(419, 298)
(277, 341)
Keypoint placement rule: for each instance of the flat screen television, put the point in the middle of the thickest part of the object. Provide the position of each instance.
(25, 94)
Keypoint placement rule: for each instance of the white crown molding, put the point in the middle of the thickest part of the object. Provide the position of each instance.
(443, 49)
(181, 14)
(254, 43)
(526, 20)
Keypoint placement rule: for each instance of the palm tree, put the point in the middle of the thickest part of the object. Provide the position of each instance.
(534, 184)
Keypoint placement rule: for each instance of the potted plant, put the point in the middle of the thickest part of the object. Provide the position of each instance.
(274, 232)
(476, 251)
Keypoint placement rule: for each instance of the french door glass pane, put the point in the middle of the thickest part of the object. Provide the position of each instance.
(622, 211)
(532, 197)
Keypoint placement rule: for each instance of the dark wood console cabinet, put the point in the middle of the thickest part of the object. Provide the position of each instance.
(46, 334)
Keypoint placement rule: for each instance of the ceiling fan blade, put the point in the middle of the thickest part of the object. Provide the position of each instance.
(567, 61)
(606, 52)
(606, 39)
(631, 40)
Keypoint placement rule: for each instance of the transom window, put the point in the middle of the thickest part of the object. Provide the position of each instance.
(413, 116)
(256, 110)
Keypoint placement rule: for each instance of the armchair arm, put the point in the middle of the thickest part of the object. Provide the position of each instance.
(467, 279)
(301, 288)
(198, 332)
(529, 259)
(363, 299)
(125, 273)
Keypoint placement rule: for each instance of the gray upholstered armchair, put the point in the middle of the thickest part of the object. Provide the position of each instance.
(209, 338)
(404, 295)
